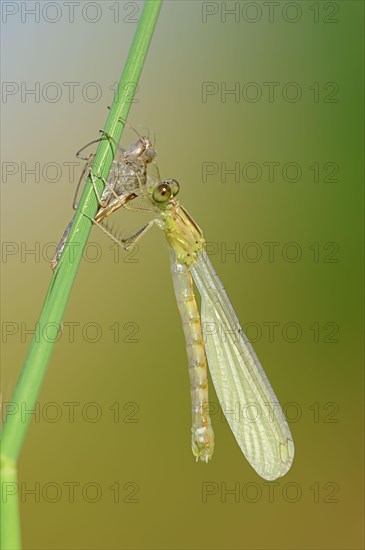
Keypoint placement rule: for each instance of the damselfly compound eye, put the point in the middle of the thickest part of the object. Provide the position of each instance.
(161, 193)
(174, 186)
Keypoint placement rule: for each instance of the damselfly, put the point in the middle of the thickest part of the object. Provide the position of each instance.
(217, 339)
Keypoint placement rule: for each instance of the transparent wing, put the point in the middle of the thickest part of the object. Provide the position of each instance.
(244, 391)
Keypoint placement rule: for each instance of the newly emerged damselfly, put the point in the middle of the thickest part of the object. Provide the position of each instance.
(237, 374)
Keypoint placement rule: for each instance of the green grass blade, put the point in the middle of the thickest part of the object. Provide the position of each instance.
(29, 383)
(10, 524)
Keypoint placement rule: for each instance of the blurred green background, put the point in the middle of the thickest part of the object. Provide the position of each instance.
(118, 472)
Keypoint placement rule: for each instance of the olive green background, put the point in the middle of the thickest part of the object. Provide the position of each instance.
(309, 289)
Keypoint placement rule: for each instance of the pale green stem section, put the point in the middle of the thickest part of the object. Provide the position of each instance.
(30, 380)
(10, 525)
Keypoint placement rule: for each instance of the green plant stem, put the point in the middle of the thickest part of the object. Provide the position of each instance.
(29, 383)
(10, 525)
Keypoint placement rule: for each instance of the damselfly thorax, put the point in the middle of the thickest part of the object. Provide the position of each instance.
(182, 233)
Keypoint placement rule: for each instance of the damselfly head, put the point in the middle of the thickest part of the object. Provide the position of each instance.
(164, 191)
